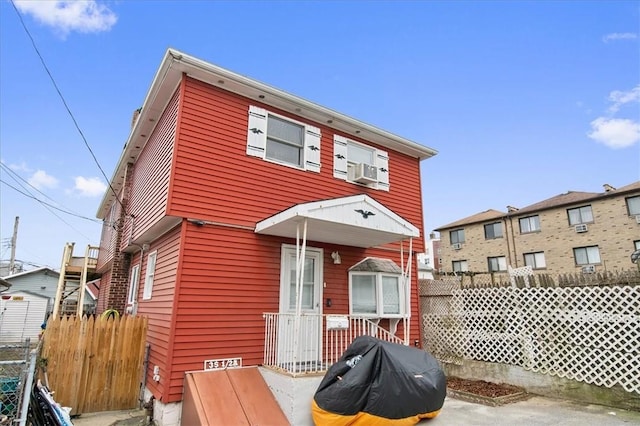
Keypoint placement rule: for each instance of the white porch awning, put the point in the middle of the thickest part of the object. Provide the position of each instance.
(357, 220)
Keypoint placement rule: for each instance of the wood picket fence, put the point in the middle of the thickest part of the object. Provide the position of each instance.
(94, 364)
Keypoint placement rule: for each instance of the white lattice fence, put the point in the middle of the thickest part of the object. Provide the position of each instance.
(590, 334)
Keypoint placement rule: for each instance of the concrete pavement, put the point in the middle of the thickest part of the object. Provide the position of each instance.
(535, 411)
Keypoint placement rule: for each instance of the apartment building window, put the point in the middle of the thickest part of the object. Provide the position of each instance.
(586, 255)
(497, 264)
(529, 224)
(493, 230)
(535, 260)
(580, 215)
(457, 236)
(460, 266)
(283, 140)
(633, 205)
(637, 244)
(148, 279)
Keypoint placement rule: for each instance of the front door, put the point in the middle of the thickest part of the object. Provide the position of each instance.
(304, 346)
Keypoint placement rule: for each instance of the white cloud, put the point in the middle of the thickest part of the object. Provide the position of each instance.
(89, 187)
(615, 132)
(22, 167)
(66, 16)
(619, 36)
(40, 179)
(619, 98)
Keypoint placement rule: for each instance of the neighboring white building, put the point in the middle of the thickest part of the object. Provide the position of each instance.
(21, 316)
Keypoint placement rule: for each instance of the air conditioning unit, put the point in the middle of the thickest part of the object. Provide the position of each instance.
(638, 218)
(581, 228)
(589, 269)
(456, 246)
(365, 173)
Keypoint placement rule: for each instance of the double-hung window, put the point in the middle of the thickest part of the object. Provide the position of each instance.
(133, 284)
(359, 163)
(586, 255)
(633, 205)
(148, 278)
(535, 260)
(497, 264)
(460, 266)
(375, 289)
(283, 140)
(529, 224)
(493, 231)
(580, 215)
(456, 236)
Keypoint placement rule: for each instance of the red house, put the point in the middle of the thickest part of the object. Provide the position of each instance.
(256, 228)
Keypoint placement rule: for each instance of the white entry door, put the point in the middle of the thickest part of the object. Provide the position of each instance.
(309, 325)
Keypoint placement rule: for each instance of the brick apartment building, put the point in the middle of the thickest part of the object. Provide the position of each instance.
(572, 232)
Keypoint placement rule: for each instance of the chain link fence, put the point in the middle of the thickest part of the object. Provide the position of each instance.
(14, 366)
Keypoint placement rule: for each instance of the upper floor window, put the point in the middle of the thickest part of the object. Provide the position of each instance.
(633, 205)
(580, 215)
(529, 224)
(493, 230)
(359, 163)
(283, 140)
(586, 255)
(535, 260)
(133, 284)
(636, 244)
(457, 236)
(497, 264)
(151, 272)
(460, 266)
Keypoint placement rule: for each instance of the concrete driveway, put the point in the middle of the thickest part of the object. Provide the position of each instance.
(536, 411)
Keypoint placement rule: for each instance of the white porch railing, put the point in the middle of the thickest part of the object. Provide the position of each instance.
(314, 347)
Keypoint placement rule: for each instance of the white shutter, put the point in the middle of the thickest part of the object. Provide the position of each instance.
(312, 149)
(339, 157)
(257, 132)
(382, 162)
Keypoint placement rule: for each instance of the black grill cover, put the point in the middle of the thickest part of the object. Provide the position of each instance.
(380, 382)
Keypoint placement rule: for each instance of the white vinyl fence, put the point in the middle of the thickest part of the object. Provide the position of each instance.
(589, 334)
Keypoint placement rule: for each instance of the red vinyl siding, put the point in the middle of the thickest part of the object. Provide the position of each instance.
(150, 180)
(215, 180)
(159, 308)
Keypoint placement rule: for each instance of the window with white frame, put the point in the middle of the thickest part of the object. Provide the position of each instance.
(497, 263)
(529, 224)
(148, 278)
(633, 205)
(580, 215)
(535, 260)
(375, 289)
(456, 236)
(360, 163)
(586, 255)
(283, 140)
(134, 279)
(493, 230)
(460, 266)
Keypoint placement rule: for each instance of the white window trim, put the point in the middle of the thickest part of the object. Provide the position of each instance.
(149, 275)
(257, 140)
(133, 284)
(341, 163)
(402, 297)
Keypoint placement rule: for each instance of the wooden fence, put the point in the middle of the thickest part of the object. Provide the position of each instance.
(95, 364)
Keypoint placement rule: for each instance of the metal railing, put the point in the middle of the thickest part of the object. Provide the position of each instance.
(311, 343)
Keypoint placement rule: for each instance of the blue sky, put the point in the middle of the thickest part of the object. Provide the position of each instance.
(523, 100)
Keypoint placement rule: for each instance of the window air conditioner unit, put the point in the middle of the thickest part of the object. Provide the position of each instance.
(589, 269)
(638, 218)
(365, 173)
(581, 228)
(456, 246)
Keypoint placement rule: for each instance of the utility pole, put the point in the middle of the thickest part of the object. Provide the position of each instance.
(14, 238)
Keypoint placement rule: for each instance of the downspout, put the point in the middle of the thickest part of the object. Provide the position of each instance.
(506, 229)
(513, 239)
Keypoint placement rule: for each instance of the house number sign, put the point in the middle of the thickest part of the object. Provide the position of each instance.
(221, 364)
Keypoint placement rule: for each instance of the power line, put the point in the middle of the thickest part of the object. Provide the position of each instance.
(65, 210)
(55, 85)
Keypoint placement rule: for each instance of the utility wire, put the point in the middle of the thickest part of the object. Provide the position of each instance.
(84, 139)
(64, 210)
(50, 206)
